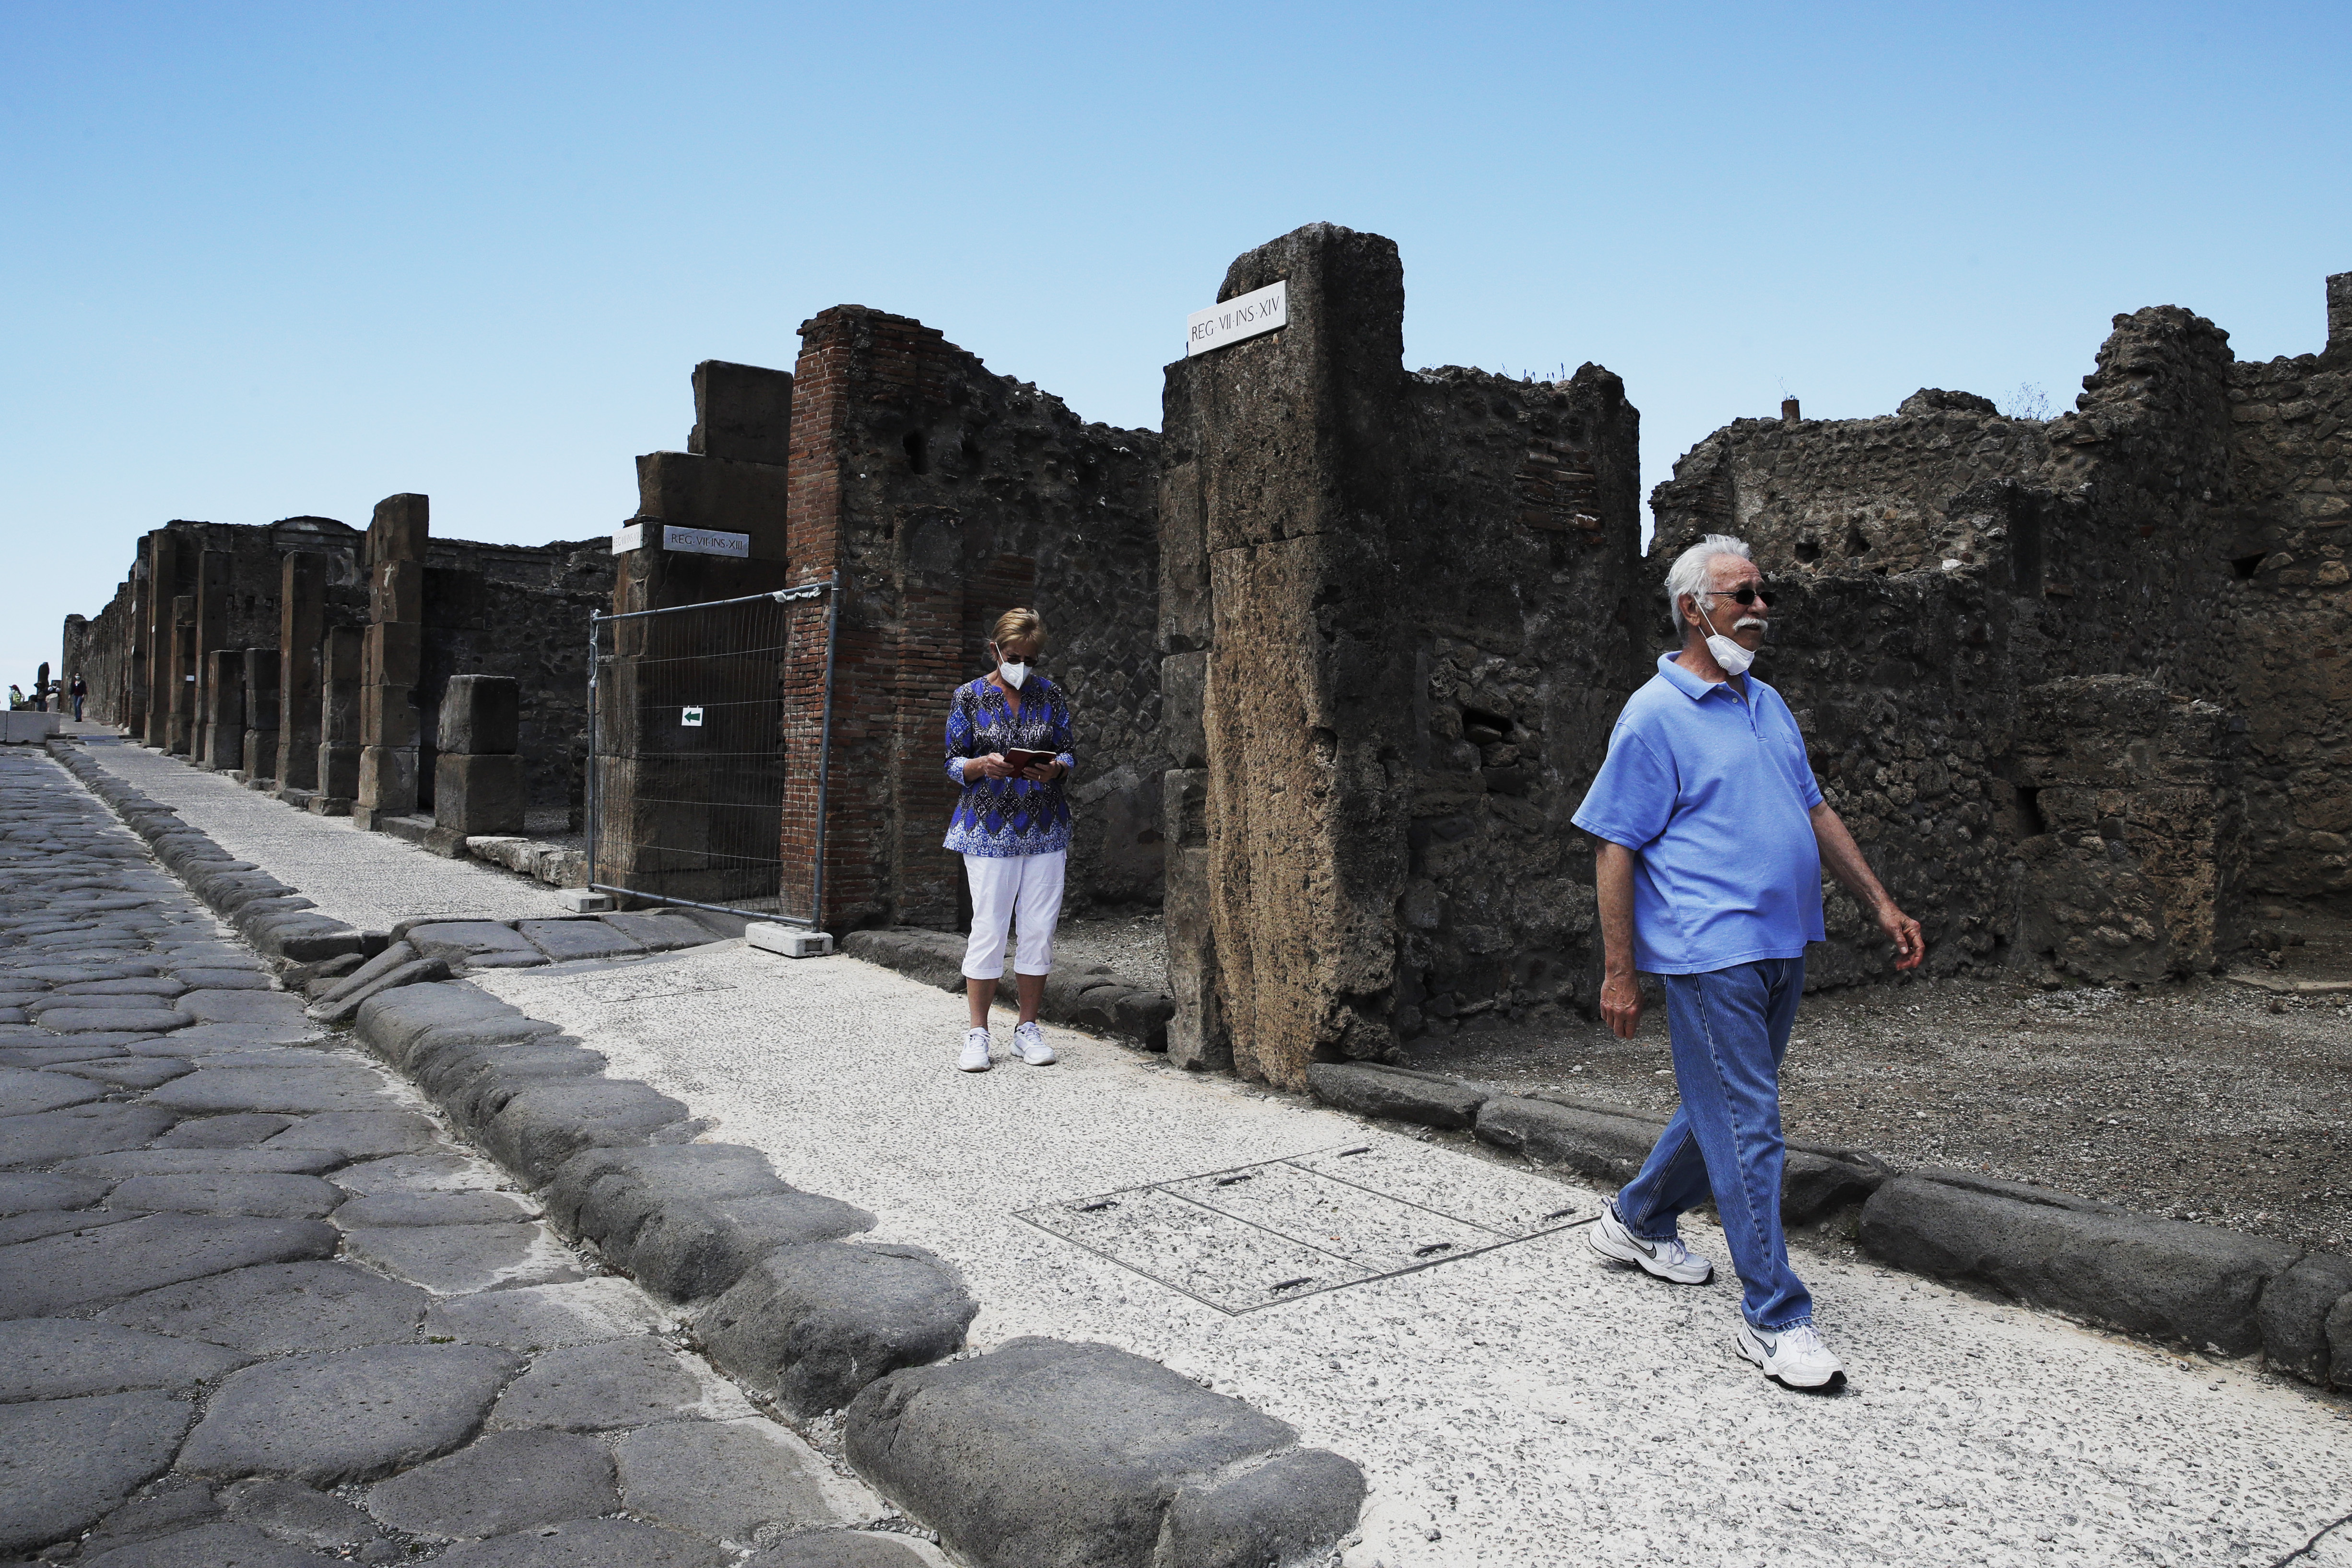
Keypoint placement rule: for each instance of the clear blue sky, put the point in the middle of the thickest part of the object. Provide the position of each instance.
(262, 261)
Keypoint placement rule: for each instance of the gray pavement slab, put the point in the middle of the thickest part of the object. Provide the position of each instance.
(111, 1020)
(348, 1416)
(205, 978)
(242, 1005)
(24, 1091)
(93, 1266)
(277, 1308)
(468, 1207)
(724, 1478)
(62, 1358)
(542, 1317)
(843, 1549)
(564, 940)
(501, 1483)
(126, 1073)
(23, 1190)
(588, 1544)
(170, 1506)
(598, 1387)
(298, 1515)
(266, 1196)
(202, 1161)
(456, 1259)
(361, 1135)
(297, 1091)
(18, 1228)
(240, 1131)
(432, 1171)
(221, 1545)
(64, 1463)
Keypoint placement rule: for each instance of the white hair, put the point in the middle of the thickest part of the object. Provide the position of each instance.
(1688, 574)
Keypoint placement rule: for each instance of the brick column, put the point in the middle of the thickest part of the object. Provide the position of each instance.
(392, 660)
(302, 628)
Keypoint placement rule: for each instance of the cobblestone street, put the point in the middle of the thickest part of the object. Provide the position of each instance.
(258, 1308)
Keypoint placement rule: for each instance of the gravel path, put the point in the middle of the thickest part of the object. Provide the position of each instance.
(258, 1306)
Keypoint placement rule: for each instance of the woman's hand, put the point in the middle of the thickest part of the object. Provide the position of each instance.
(991, 766)
(1042, 772)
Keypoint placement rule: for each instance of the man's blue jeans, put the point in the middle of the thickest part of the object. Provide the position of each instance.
(1730, 1030)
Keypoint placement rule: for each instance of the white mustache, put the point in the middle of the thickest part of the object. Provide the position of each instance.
(1745, 622)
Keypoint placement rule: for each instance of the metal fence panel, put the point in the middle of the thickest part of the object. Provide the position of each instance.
(707, 755)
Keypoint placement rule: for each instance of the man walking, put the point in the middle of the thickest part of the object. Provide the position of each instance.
(1709, 874)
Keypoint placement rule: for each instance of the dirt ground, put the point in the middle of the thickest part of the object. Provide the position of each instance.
(2207, 1100)
(2196, 1100)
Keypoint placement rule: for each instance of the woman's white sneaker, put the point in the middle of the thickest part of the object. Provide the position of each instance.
(1795, 1357)
(1668, 1260)
(1029, 1044)
(975, 1051)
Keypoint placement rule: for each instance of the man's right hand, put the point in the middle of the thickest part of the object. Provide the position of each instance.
(1621, 1005)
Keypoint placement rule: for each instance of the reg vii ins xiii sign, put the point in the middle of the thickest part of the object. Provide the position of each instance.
(1243, 316)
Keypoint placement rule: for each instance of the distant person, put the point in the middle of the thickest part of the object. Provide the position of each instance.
(41, 696)
(1012, 825)
(16, 697)
(77, 691)
(1709, 872)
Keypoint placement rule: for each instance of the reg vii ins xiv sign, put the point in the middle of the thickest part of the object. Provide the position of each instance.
(1243, 316)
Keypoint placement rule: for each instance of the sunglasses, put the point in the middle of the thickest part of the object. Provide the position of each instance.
(1746, 593)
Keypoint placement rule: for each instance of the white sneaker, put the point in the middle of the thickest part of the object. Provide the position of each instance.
(1029, 1044)
(975, 1051)
(1668, 1259)
(1794, 1358)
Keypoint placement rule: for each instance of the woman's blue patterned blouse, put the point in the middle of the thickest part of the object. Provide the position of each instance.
(1002, 817)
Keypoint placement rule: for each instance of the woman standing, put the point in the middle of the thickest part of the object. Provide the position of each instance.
(1012, 826)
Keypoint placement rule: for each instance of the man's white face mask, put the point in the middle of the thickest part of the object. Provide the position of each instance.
(1734, 658)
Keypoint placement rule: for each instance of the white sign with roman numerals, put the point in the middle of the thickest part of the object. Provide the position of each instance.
(1243, 316)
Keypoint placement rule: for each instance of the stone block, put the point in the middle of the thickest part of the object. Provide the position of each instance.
(396, 591)
(471, 941)
(588, 1544)
(394, 1023)
(562, 940)
(475, 794)
(392, 1209)
(400, 529)
(276, 1308)
(60, 1358)
(387, 780)
(741, 412)
(262, 1195)
(453, 1259)
(598, 1387)
(1430, 1099)
(502, 1482)
(814, 1324)
(685, 491)
(840, 1549)
(547, 1123)
(417, 971)
(392, 654)
(542, 1317)
(604, 1195)
(727, 1479)
(337, 773)
(661, 933)
(352, 1415)
(1051, 1453)
(1592, 1144)
(45, 1277)
(2167, 1278)
(359, 1135)
(223, 746)
(2294, 1318)
(292, 1513)
(65, 1463)
(228, 1544)
(481, 715)
(388, 716)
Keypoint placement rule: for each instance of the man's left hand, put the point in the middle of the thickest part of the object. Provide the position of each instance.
(1904, 931)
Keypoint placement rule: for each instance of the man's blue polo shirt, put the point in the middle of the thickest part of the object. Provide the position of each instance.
(1713, 793)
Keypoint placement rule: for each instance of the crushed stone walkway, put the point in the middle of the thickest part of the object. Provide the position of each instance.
(259, 1307)
(1518, 1403)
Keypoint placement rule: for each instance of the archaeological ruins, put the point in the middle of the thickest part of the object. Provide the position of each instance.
(1346, 641)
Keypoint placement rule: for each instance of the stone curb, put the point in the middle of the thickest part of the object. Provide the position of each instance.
(780, 1301)
(1094, 999)
(2162, 1279)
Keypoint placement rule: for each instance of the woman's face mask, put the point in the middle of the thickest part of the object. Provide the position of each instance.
(1012, 667)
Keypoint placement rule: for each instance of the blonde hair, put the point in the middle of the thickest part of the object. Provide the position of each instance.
(1018, 623)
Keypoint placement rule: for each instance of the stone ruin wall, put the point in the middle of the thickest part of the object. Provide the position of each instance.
(1951, 574)
(942, 493)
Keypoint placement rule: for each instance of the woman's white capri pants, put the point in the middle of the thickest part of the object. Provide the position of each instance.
(1025, 890)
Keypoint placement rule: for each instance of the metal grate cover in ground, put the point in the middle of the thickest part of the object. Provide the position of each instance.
(1257, 1236)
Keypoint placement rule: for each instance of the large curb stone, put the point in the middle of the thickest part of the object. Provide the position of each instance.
(1050, 1455)
(813, 1325)
(1094, 999)
(2294, 1318)
(2167, 1278)
(348, 1416)
(345, 1007)
(550, 1122)
(393, 1021)
(1430, 1099)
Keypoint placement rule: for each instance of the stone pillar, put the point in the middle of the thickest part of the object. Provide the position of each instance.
(392, 660)
(262, 701)
(221, 691)
(214, 570)
(301, 629)
(477, 771)
(340, 657)
(131, 703)
(181, 692)
(2339, 313)
(162, 598)
(1293, 440)
(41, 688)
